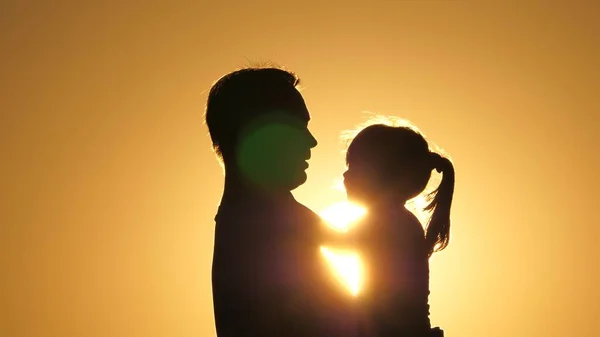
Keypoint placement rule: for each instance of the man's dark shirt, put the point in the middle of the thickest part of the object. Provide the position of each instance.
(268, 276)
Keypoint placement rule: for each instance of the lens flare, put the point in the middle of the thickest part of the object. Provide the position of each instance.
(342, 215)
(346, 266)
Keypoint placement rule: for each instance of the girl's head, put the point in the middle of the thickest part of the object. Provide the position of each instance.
(393, 164)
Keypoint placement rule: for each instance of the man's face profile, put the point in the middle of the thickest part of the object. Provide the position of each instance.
(273, 150)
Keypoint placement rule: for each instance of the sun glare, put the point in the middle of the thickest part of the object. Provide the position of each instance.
(342, 215)
(345, 265)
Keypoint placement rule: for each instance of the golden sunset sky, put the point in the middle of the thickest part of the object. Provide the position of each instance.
(109, 185)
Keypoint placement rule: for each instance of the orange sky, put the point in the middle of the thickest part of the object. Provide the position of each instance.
(109, 185)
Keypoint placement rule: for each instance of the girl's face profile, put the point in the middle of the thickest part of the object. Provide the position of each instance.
(350, 184)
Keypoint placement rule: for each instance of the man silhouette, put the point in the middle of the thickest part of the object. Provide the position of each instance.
(268, 277)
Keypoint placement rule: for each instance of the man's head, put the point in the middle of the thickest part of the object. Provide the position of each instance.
(258, 123)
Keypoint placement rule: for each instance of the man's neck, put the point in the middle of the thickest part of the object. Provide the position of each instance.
(238, 188)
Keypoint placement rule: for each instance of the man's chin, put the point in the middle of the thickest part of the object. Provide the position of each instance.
(298, 181)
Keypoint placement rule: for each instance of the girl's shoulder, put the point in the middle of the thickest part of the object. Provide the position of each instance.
(395, 224)
(405, 229)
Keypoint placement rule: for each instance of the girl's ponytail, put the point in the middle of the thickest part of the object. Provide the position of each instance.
(438, 228)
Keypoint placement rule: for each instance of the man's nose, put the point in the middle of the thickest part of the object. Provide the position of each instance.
(312, 141)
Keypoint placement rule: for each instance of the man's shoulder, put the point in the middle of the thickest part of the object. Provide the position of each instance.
(254, 218)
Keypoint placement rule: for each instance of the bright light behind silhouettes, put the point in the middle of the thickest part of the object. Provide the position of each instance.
(346, 265)
(342, 215)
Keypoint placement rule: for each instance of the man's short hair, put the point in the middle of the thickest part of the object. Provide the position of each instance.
(238, 97)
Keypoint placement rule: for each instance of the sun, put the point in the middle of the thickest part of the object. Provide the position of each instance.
(342, 215)
(347, 266)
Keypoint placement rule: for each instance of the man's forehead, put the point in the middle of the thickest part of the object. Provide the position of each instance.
(283, 116)
(292, 103)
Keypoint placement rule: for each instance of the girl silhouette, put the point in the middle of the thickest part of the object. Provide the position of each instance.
(388, 166)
